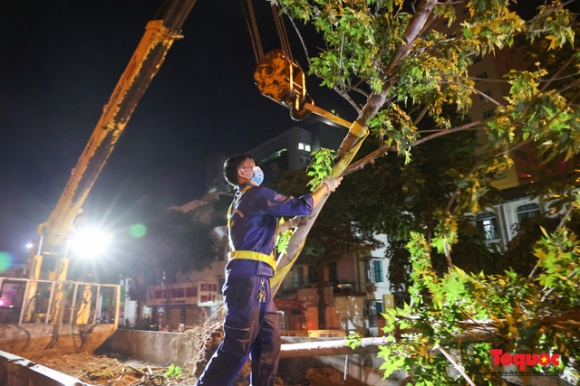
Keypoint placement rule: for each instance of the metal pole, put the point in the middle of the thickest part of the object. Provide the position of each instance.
(39, 250)
(50, 303)
(25, 303)
(74, 301)
(97, 303)
(117, 304)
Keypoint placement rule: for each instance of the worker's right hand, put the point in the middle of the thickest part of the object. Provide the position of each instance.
(332, 183)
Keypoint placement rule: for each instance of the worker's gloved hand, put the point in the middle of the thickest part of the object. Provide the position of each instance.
(332, 183)
(298, 221)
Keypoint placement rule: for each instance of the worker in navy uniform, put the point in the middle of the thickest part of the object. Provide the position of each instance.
(251, 325)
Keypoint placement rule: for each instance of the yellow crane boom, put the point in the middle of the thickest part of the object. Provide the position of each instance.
(159, 35)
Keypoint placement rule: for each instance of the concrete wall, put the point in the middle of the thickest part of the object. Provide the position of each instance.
(162, 348)
(18, 371)
(159, 348)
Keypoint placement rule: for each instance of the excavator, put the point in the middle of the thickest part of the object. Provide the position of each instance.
(49, 313)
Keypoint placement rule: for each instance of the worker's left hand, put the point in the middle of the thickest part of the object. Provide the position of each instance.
(297, 221)
(332, 183)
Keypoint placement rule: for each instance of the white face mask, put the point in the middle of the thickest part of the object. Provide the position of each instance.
(258, 175)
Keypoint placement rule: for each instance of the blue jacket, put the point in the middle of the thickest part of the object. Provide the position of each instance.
(255, 217)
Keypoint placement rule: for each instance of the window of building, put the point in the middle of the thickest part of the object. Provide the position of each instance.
(191, 292)
(374, 309)
(332, 272)
(298, 276)
(528, 210)
(486, 224)
(312, 274)
(486, 92)
(375, 271)
(488, 114)
(304, 146)
(482, 75)
(478, 59)
(178, 292)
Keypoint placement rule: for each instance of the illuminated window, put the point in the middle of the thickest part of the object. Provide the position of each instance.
(529, 210)
(486, 224)
(304, 146)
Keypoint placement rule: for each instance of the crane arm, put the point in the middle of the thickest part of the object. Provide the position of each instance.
(145, 63)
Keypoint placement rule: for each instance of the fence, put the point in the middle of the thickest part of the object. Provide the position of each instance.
(47, 301)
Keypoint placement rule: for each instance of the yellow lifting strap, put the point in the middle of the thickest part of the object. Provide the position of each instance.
(251, 255)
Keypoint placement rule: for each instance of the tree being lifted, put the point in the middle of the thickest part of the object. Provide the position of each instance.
(407, 72)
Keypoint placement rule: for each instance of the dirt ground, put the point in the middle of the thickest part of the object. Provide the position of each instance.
(114, 370)
(106, 371)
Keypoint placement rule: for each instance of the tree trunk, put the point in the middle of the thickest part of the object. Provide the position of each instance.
(320, 268)
(331, 347)
(370, 345)
(357, 133)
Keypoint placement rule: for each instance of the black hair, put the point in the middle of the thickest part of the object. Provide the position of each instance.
(231, 167)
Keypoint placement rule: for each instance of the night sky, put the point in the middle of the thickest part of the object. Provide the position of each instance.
(59, 62)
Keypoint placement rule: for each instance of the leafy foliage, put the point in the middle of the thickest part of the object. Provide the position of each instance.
(320, 167)
(412, 71)
(283, 239)
(508, 311)
(173, 371)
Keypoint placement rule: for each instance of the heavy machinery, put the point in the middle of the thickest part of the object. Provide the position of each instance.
(47, 312)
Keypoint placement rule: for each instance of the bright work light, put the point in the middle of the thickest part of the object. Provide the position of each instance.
(90, 242)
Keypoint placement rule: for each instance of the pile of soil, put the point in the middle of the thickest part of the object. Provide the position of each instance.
(107, 371)
(113, 370)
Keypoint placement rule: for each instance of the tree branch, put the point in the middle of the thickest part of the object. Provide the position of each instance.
(383, 150)
(413, 31)
(475, 91)
(557, 73)
(348, 99)
(467, 126)
(360, 164)
(456, 365)
(298, 33)
(552, 289)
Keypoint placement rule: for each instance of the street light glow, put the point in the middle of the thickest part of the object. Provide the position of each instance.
(90, 242)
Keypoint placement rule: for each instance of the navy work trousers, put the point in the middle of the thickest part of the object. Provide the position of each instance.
(250, 328)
